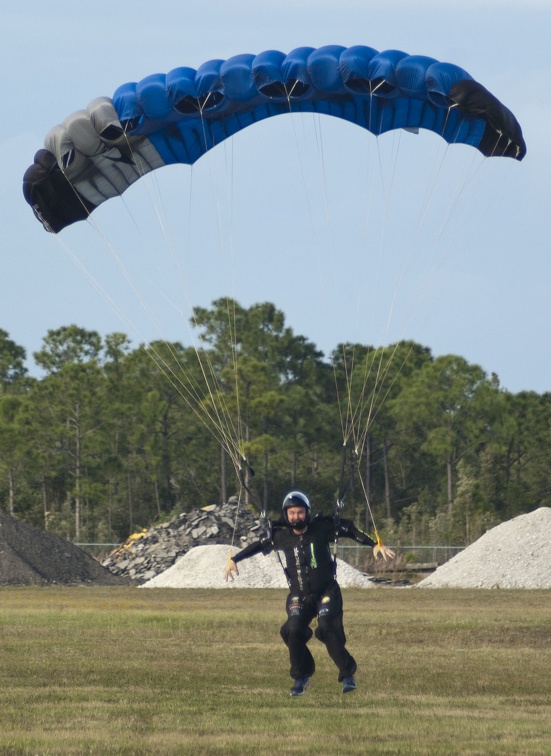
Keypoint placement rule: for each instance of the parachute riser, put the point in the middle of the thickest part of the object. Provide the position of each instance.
(344, 485)
(347, 474)
(264, 519)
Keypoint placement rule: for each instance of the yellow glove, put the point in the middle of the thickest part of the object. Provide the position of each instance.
(383, 550)
(230, 568)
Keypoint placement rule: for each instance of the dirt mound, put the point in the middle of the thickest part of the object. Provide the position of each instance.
(203, 567)
(29, 556)
(515, 554)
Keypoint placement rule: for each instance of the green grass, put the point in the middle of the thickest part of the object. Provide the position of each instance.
(128, 671)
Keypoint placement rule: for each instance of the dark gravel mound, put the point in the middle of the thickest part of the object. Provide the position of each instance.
(147, 554)
(29, 556)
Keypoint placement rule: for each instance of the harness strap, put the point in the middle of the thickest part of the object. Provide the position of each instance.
(285, 570)
(337, 519)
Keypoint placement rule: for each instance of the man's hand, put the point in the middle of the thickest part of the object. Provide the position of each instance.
(230, 568)
(383, 550)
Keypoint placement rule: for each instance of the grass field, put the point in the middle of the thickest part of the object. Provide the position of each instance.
(128, 671)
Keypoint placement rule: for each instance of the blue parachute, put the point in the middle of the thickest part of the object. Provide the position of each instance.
(97, 153)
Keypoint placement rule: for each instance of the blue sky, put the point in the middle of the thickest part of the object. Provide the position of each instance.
(355, 239)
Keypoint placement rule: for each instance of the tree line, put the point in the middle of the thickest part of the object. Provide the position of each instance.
(114, 437)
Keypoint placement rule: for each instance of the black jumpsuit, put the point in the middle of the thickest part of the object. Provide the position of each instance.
(314, 590)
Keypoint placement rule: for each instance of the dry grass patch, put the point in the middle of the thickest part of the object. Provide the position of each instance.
(128, 671)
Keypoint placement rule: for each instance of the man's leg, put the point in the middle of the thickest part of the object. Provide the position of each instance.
(330, 630)
(296, 633)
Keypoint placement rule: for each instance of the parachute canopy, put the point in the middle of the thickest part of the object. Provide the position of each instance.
(97, 153)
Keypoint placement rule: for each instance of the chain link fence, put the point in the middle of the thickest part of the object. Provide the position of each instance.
(409, 559)
(98, 550)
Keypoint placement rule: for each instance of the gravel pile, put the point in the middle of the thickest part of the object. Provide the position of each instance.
(149, 553)
(515, 554)
(29, 556)
(203, 567)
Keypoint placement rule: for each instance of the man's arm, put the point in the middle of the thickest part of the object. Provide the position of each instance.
(349, 530)
(263, 546)
(257, 547)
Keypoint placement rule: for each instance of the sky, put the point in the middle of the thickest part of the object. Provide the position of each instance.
(356, 239)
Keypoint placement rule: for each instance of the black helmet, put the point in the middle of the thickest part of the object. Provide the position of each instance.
(296, 499)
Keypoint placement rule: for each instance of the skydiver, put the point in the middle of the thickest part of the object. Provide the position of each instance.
(314, 591)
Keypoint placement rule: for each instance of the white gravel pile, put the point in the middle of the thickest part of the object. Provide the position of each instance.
(203, 567)
(515, 554)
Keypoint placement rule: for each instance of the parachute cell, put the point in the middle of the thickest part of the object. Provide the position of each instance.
(97, 153)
